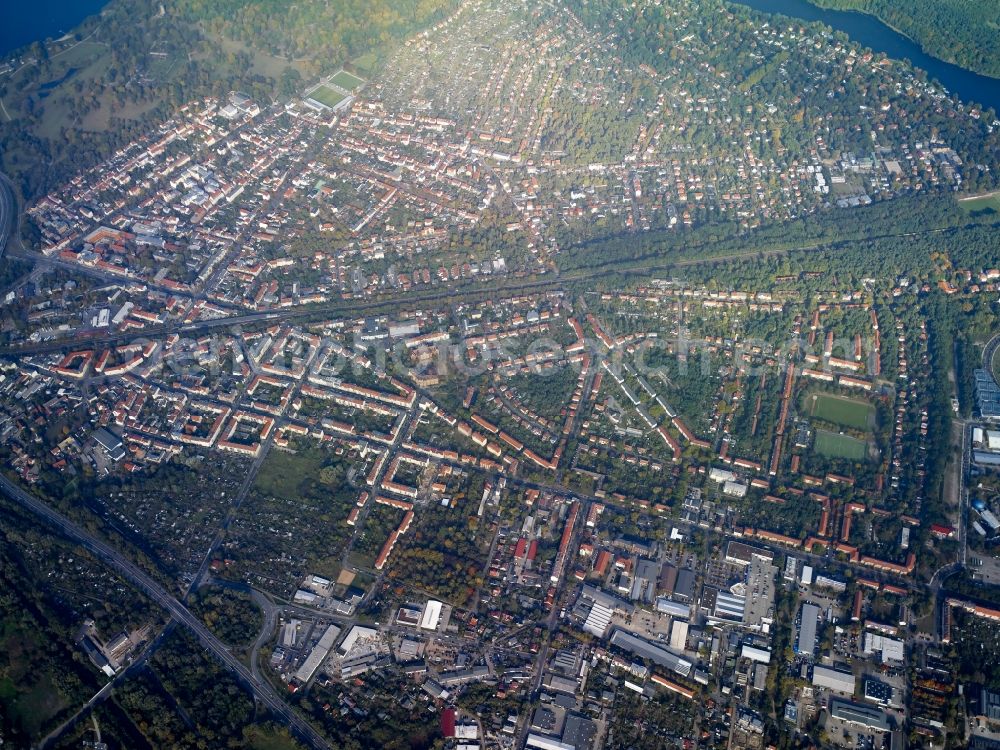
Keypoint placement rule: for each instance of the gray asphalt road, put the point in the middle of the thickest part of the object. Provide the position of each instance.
(141, 580)
(8, 212)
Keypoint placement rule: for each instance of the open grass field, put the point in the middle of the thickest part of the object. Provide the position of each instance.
(283, 474)
(366, 63)
(985, 205)
(843, 411)
(346, 81)
(839, 446)
(326, 95)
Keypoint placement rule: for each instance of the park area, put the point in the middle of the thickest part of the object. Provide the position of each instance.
(840, 446)
(845, 412)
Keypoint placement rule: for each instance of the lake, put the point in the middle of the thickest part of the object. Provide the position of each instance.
(870, 32)
(22, 23)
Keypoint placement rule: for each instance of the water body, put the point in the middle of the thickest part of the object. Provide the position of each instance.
(22, 23)
(871, 32)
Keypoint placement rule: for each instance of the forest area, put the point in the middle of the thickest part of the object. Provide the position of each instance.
(967, 34)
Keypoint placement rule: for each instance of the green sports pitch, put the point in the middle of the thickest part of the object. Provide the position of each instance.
(326, 95)
(346, 81)
(843, 411)
(840, 446)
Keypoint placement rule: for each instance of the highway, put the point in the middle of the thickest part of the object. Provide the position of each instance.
(262, 691)
(8, 213)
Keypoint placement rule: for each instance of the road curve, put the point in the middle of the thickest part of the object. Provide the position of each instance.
(262, 691)
(8, 212)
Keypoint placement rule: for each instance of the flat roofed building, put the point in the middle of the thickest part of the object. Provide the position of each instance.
(729, 607)
(648, 650)
(431, 616)
(672, 608)
(357, 633)
(598, 620)
(877, 691)
(543, 742)
(678, 635)
(807, 575)
(320, 651)
(760, 655)
(890, 650)
(579, 732)
(302, 596)
(833, 679)
(806, 643)
(859, 715)
(739, 553)
(110, 443)
(791, 566)
(984, 702)
(684, 587)
(831, 583)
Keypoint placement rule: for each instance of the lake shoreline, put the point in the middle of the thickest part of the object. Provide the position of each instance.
(870, 31)
(45, 21)
(917, 42)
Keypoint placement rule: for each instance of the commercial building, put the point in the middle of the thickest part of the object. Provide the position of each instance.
(598, 620)
(431, 616)
(110, 443)
(859, 715)
(984, 702)
(760, 655)
(561, 684)
(648, 650)
(678, 635)
(877, 691)
(987, 395)
(542, 742)
(833, 679)
(739, 553)
(807, 575)
(890, 650)
(579, 732)
(672, 608)
(684, 588)
(806, 643)
(357, 633)
(319, 653)
(729, 607)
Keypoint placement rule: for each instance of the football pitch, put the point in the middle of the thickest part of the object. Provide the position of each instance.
(843, 411)
(840, 446)
(326, 95)
(346, 81)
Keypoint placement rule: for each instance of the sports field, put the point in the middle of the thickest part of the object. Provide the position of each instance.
(346, 81)
(843, 411)
(840, 446)
(326, 95)
(985, 204)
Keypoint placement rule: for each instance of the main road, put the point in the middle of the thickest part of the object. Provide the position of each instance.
(8, 213)
(262, 691)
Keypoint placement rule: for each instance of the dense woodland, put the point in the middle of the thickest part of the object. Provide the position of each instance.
(325, 31)
(958, 31)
